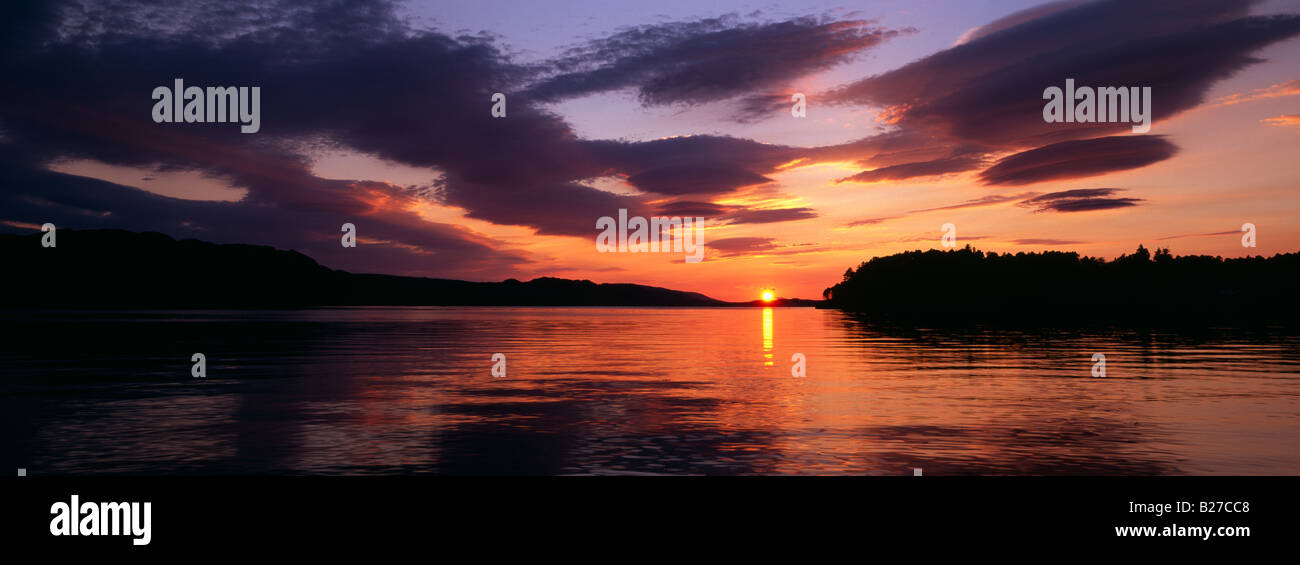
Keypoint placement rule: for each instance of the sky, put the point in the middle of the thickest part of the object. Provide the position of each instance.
(918, 114)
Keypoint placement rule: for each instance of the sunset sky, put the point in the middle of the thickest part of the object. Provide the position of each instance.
(919, 113)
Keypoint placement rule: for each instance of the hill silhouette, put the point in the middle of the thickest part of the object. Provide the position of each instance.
(115, 268)
(969, 285)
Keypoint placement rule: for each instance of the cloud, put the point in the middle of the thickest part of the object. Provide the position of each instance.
(413, 244)
(696, 178)
(771, 215)
(988, 200)
(551, 209)
(692, 208)
(753, 108)
(902, 171)
(319, 68)
(986, 92)
(706, 60)
(734, 246)
(982, 96)
(356, 78)
(1079, 200)
(1289, 88)
(372, 85)
(1041, 241)
(352, 77)
(1016, 19)
(734, 214)
(1283, 120)
(871, 221)
(690, 153)
(1211, 234)
(1080, 158)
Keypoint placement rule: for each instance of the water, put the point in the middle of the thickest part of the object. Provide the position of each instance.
(631, 391)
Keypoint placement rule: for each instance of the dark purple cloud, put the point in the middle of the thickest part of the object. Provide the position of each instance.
(696, 178)
(352, 74)
(1089, 204)
(1079, 200)
(918, 169)
(1018, 18)
(734, 214)
(753, 108)
(635, 157)
(772, 215)
(1079, 158)
(706, 60)
(1072, 194)
(355, 77)
(987, 91)
(692, 208)
(416, 98)
(734, 246)
(984, 94)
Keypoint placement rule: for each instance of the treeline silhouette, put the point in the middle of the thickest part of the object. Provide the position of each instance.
(115, 268)
(967, 285)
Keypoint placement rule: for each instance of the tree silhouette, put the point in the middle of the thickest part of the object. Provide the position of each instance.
(969, 285)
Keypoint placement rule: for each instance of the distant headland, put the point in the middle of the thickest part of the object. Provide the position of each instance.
(123, 269)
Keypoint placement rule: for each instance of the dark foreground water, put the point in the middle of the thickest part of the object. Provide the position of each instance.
(633, 390)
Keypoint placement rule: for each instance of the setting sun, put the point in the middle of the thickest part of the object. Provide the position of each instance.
(768, 296)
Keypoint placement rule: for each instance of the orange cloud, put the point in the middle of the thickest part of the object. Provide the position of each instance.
(1289, 88)
(1283, 120)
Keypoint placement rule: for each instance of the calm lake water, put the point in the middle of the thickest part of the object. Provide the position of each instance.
(634, 390)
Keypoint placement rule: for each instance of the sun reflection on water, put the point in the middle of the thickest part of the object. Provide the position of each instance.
(767, 337)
